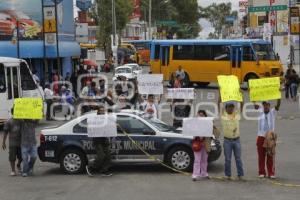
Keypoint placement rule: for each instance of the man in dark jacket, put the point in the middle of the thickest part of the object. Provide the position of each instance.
(12, 129)
(102, 147)
(28, 146)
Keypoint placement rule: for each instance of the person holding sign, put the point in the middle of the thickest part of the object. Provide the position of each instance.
(230, 120)
(28, 145)
(266, 128)
(102, 147)
(201, 147)
(12, 128)
(151, 108)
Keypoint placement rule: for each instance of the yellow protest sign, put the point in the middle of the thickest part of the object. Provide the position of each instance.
(229, 88)
(28, 108)
(264, 89)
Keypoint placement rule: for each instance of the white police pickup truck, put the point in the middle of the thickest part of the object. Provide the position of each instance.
(70, 146)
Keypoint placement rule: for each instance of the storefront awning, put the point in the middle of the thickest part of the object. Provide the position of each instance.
(35, 49)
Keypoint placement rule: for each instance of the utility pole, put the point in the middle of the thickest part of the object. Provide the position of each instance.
(114, 21)
(150, 21)
(46, 70)
(57, 40)
(18, 39)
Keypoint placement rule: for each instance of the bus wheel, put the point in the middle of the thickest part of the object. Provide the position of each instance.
(247, 78)
(250, 76)
(203, 84)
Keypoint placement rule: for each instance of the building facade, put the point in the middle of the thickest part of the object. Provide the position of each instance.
(269, 20)
(22, 35)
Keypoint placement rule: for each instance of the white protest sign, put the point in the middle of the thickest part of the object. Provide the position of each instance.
(181, 93)
(102, 126)
(150, 83)
(200, 126)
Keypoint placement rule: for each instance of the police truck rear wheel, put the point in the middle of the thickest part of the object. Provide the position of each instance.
(180, 158)
(72, 161)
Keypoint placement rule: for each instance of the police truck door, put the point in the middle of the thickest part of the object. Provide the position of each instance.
(142, 135)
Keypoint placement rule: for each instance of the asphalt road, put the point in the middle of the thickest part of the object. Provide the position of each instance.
(143, 182)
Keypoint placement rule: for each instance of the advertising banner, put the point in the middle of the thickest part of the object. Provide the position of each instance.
(24, 15)
(295, 20)
(49, 19)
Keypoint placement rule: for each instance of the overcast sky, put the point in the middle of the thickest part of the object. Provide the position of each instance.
(235, 3)
(206, 26)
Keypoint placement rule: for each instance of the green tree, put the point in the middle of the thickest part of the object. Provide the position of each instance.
(161, 10)
(216, 14)
(184, 12)
(187, 16)
(102, 13)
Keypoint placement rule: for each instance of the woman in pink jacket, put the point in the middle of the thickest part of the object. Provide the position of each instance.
(201, 147)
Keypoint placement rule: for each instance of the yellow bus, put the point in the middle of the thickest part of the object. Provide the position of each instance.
(131, 47)
(204, 60)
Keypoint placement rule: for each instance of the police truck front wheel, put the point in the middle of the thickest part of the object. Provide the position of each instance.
(72, 161)
(180, 158)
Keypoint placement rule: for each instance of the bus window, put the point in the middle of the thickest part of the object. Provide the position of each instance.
(8, 77)
(12, 82)
(165, 56)
(248, 54)
(157, 52)
(203, 52)
(221, 52)
(264, 51)
(26, 78)
(2, 79)
(15, 82)
(183, 52)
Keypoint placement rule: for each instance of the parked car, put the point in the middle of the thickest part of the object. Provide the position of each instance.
(124, 71)
(70, 146)
(136, 68)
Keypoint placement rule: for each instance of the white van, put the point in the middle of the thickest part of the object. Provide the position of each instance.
(16, 81)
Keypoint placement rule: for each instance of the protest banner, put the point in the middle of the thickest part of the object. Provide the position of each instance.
(102, 126)
(180, 93)
(230, 88)
(150, 83)
(264, 89)
(201, 127)
(28, 108)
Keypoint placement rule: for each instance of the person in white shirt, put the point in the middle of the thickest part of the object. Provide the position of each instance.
(35, 77)
(266, 124)
(85, 89)
(150, 108)
(48, 95)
